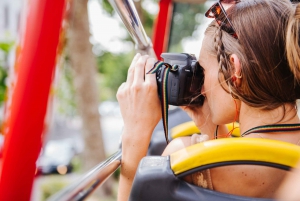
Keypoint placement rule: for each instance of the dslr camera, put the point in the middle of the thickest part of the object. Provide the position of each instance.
(183, 85)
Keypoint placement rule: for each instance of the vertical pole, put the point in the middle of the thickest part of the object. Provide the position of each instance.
(162, 27)
(25, 123)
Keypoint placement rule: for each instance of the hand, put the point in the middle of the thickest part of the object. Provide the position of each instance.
(140, 109)
(138, 97)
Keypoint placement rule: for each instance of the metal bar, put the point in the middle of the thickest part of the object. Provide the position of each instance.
(130, 18)
(85, 186)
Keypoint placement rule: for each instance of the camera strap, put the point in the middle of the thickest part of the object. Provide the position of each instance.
(164, 91)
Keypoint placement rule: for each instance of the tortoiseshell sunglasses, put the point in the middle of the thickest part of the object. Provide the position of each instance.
(218, 12)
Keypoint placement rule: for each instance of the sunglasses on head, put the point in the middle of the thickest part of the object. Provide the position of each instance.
(218, 12)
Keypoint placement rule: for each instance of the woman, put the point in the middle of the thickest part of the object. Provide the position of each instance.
(247, 79)
(289, 188)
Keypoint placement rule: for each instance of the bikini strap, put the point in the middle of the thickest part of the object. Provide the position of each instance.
(272, 128)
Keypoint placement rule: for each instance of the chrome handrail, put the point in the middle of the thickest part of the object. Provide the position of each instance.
(85, 186)
(130, 18)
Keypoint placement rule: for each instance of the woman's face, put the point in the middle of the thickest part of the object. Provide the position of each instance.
(221, 104)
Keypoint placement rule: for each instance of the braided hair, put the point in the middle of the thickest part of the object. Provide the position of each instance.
(267, 81)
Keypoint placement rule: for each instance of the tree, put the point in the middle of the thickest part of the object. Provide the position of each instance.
(84, 65)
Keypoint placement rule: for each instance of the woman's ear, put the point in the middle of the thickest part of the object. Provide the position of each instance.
(237, 70)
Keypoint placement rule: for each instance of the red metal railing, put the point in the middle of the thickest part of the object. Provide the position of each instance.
(25, 123)
(35, 70)
(162, 27)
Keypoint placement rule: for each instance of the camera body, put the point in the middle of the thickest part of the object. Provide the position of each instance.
(183, 85)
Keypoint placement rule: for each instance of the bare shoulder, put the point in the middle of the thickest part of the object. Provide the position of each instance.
(247, 180)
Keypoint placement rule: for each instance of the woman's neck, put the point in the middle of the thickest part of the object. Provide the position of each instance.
(251, 117)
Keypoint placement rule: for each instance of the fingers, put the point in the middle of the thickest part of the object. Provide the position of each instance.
(130, 74)
(150, 77)
(120, 94)
(137, 74)
(139, 70)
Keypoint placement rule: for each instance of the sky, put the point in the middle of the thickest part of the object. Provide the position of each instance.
(106, 30)
(109, 33)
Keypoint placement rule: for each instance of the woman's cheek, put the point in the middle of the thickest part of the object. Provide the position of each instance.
(206, 84)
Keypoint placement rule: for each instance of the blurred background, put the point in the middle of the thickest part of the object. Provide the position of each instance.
(83, 123)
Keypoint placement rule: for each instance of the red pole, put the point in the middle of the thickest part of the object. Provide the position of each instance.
(25, 123)
(162, 27)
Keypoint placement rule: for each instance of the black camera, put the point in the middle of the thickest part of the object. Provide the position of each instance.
(183, 85)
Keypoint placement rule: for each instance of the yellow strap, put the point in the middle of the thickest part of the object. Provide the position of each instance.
(234, 149)
(189, 128)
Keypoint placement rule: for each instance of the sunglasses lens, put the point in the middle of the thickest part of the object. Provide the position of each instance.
(209, 12)
(218, 11)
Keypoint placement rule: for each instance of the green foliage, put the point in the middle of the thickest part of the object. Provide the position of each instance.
(3, 87)
(146, 16)
(113, 68)
(186, 19)
(5, 47)
(107, 6)
(65, 93)
(148, 23)
(52, 185)
(76, 164)
(116, 174)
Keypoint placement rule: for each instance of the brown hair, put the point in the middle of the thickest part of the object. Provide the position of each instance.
(267, 81)
(292, 44)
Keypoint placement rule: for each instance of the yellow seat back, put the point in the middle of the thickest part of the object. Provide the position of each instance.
(189, 128)
(235, 150)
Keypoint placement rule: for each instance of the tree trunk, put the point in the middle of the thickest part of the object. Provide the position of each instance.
(83, 63)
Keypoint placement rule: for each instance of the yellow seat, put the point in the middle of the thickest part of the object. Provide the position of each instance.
(189, 128)
(159, 177)
(238, 150)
